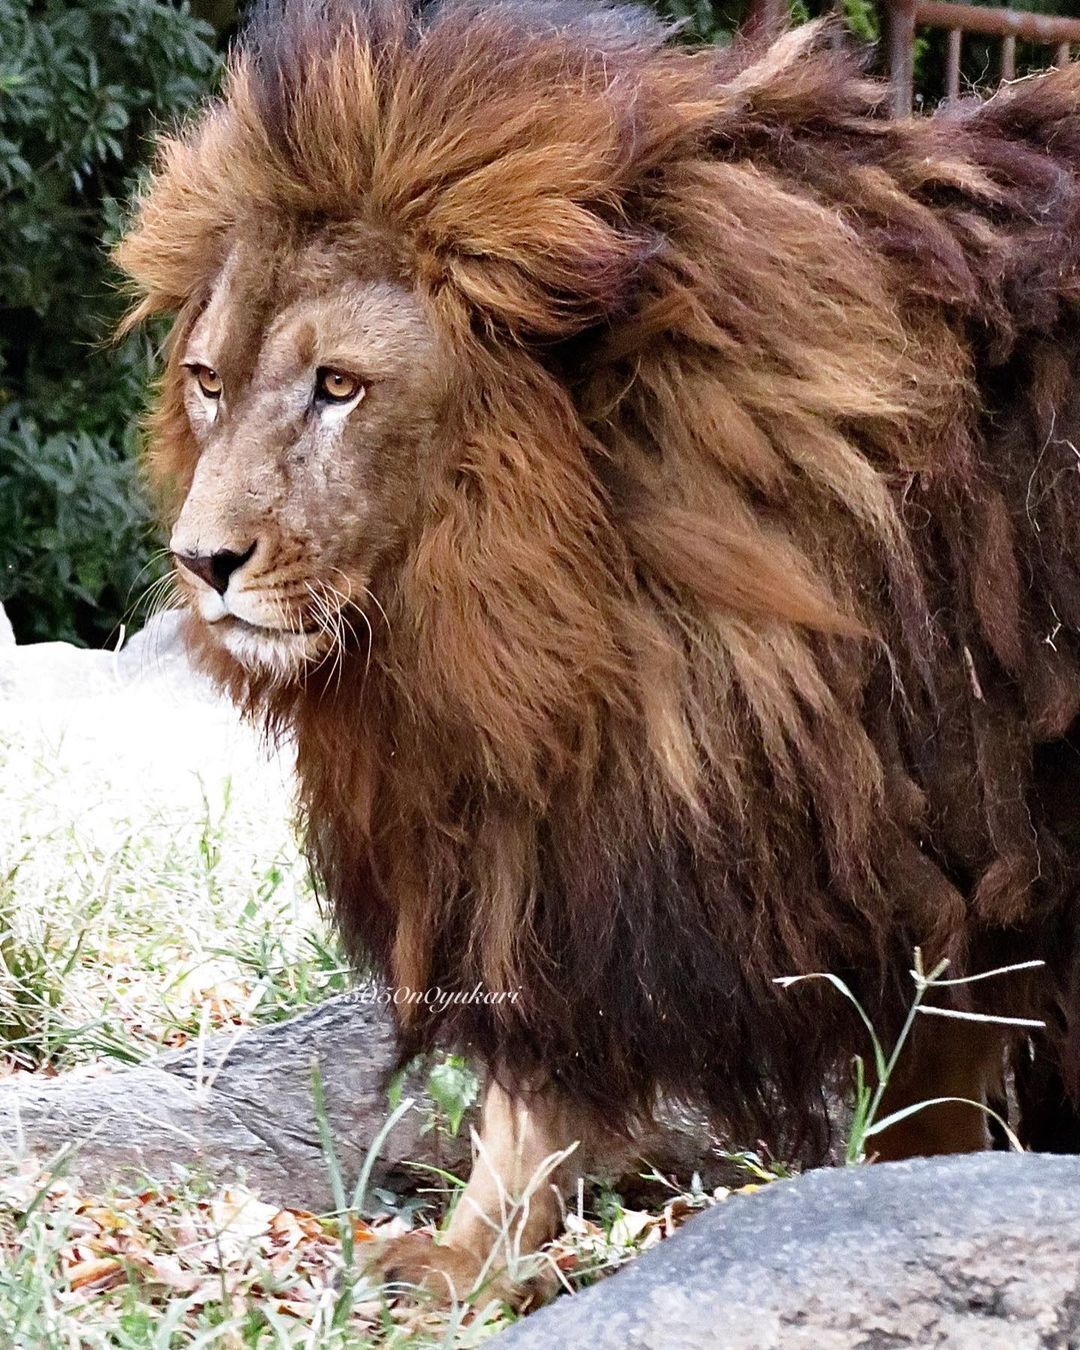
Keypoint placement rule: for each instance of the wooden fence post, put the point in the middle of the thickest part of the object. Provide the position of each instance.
(1008, 58)
(900, 16)
(952, 64)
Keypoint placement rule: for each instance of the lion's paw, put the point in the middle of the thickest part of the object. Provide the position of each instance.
(448, 1273)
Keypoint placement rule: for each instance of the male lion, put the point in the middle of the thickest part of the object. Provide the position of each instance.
(645, 484)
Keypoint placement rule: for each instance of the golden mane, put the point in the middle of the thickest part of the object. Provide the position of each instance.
(727, 645)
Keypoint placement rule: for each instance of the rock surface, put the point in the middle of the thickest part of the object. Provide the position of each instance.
(126, 736)
(51, 672)
(239, 1105)
(971, 1253)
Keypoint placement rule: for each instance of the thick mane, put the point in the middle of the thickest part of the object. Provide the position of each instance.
(727, 642)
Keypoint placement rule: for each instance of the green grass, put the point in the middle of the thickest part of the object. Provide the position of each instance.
(116, 943)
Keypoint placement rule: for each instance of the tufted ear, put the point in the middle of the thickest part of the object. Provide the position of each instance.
(518, 193)
(567, 269)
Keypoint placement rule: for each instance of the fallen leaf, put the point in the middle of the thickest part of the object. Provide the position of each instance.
(100, 1272)
(166, 1270)
(240, 1214)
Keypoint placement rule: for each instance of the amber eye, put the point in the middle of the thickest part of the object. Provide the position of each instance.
(335, 386)
(208, 380)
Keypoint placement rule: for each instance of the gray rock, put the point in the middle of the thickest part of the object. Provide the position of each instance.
(239, 1105)
(7, 633)
(154, 659)
(972, 1253)
(45, 672)
(242, 1106)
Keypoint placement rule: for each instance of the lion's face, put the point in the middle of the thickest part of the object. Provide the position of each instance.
(312, 393)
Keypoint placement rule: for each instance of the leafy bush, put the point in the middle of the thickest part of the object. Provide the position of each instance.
(702, 19)
(81, 87)
(717, 20)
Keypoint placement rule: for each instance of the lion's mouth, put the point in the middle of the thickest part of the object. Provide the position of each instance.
(281, 653)
(232, 623)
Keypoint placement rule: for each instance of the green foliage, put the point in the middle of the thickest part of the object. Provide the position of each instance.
(861, 19)
(454, 1087)
(703, 20)
(717, 20)
(81, 87)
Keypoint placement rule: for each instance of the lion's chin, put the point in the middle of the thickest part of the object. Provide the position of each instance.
(281, 655)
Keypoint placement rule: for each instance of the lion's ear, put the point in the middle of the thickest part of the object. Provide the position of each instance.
(749, 573)
(518, 197)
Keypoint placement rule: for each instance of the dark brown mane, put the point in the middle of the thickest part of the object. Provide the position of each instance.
(739, 638)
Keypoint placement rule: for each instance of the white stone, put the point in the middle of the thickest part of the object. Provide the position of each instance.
(132, 731)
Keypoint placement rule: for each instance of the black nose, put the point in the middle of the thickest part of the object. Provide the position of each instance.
(214, 568)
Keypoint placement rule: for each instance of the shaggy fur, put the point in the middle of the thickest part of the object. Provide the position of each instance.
(735, 635)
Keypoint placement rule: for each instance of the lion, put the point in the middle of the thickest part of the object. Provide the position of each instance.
(643, 483)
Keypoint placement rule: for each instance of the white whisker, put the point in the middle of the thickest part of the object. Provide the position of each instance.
(375, 601)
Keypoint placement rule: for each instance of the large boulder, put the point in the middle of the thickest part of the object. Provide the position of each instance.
(46, 673)
(239, 1104)
(972, 1253)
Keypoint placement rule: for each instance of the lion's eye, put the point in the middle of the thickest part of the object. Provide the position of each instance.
(208, 380)
(335, 386)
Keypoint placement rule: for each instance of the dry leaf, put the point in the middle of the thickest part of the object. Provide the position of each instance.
(239, 1213)
(167, 1270)
(99, 1272)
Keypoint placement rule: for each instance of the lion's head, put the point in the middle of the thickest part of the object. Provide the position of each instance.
(389, 269)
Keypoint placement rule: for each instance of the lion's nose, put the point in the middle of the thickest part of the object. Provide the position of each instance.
(215, 569)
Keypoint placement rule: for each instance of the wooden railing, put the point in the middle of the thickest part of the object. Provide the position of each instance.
(902, 17)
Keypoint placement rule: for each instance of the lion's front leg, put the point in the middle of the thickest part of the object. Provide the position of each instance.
(511, 1206)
